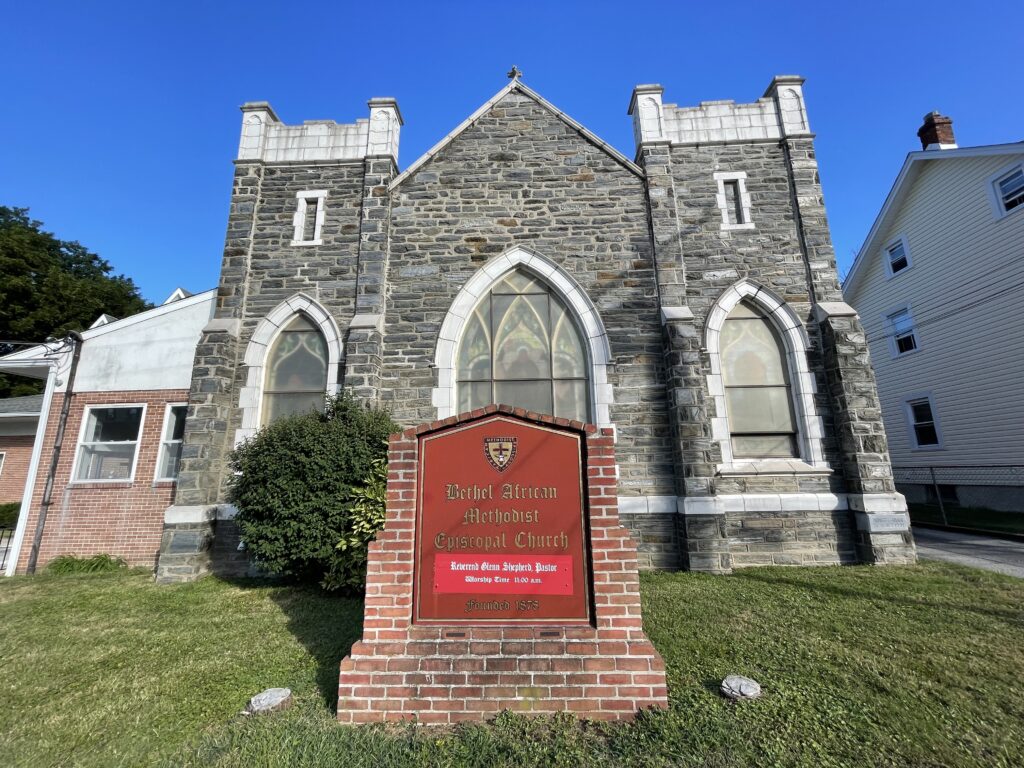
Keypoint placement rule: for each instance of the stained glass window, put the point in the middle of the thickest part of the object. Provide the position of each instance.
(757, 390)
(296, 375)
(521, 347)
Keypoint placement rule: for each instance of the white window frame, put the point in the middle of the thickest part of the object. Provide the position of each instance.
(740, 177)
(3, 456)
(902, 241)
(160, 451)
(299, 219)
(81, 435)
(995, 199)
(916, 397)
(808, 425)
(890, 333)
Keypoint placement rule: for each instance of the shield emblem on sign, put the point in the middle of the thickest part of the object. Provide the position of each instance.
(500, 451)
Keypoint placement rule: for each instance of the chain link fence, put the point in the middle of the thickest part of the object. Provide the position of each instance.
(981, 497)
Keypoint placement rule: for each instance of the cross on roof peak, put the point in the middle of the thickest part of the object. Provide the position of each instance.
(515, 73)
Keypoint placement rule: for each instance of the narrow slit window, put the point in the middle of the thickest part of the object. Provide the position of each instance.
(733, 203)
(309, 217)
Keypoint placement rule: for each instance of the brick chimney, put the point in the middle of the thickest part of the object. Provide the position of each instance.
(937, 132)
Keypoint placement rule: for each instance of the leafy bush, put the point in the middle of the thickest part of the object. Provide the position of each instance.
(305, 487)
(9, 514)
(102, 563)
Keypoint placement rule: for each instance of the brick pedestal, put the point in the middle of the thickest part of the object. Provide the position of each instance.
(402, 671)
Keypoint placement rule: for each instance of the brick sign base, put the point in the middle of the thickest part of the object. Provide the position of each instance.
(446, 674)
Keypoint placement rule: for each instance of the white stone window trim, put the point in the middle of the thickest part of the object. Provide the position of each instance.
(889, 326)
(810, 429)
(250, 397)
(81, 439)
(740, 177)
(3, 456)
(160, 451)
(887, 258)
(908, 401)
(583, 311)
(299, 219)
(995, 199)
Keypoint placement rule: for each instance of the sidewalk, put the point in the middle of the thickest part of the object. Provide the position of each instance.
(970, 549)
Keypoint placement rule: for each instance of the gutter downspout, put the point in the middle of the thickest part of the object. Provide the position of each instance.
(44, 507)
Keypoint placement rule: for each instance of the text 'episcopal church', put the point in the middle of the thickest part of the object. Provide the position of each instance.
(687, 298)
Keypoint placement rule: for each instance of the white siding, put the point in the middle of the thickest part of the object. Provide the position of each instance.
(966, 292)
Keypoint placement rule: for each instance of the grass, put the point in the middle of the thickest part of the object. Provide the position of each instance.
(975, 518)
(860, 666)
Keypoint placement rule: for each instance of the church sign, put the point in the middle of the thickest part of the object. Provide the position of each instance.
(502, 579)
(500, 529)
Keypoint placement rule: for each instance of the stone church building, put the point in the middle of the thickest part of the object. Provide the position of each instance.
(687, 297)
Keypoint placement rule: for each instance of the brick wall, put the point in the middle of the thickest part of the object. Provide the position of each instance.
(401, 671)
(118, 518)
(17, 450)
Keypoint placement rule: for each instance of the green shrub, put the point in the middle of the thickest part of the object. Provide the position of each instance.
(9, 514)
(102, 563)
(304, 488)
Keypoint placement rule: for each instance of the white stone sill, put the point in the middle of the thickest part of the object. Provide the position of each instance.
(779, 467)
(299, 243)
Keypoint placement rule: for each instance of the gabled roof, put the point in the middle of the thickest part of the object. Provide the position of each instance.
(518, 87)
(41, 352)
(901, 188)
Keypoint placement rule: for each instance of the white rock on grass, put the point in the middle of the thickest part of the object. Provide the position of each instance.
(270, 700)
(739, 688)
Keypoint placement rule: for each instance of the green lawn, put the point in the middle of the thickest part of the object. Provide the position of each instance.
(861, 666)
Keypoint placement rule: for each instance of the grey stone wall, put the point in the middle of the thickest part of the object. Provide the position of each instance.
(791, 538)
(521, 176)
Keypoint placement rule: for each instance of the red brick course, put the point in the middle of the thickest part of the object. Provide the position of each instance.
(17, 450)
(118, 518)
(402, 671)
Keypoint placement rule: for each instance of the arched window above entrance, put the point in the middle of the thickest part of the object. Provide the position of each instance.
(521, 347)
(296, 371)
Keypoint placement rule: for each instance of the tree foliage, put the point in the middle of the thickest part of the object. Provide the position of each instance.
(50, 286)
(308, 492)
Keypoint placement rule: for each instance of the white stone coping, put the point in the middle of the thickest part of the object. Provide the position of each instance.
(367, 320)
(826, 309)
(674, 314)
(202, 513)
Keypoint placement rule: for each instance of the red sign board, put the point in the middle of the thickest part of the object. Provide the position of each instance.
(500, 526)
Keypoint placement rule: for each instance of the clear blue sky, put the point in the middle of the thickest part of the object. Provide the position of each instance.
(120, 120)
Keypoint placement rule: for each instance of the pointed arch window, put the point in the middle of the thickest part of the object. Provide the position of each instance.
(757, 387)
(296, 375)
(521, 347)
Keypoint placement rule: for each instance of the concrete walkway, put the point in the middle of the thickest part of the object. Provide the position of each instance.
(999, 555)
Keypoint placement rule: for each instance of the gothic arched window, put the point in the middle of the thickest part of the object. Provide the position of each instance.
(757, 387)
(521, 347)
(296, 371)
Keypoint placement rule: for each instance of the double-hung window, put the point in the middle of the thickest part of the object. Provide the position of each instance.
(897, 256)
(109, 445)
(169, 461)
(1006, 190)
(924, 428)
(903, 338)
